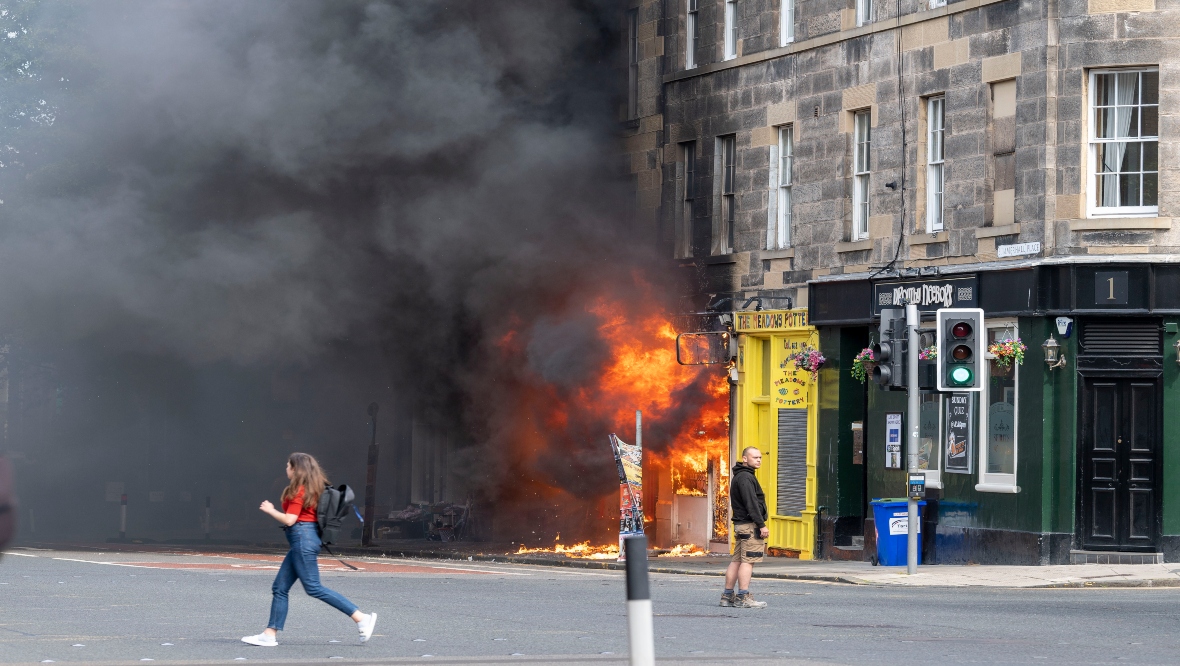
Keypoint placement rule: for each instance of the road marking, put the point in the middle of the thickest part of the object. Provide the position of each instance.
(113, 564)
(326, 566)
(9, 552)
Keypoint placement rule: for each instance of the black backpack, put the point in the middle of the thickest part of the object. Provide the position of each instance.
(335, 505)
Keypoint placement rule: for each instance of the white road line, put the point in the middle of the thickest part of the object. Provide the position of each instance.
(113, 564)
(9, 552)
(442, 567)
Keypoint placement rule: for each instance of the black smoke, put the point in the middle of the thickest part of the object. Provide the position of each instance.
(204, 203)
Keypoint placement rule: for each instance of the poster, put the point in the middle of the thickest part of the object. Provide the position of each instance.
(629, 462)
(959, 437)
(893, 440)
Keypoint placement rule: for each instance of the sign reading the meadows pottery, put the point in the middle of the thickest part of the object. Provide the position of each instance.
(928, 295)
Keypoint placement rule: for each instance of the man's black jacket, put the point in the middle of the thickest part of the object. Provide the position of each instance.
(746, 498)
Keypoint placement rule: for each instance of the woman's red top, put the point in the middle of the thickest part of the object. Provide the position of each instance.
(295, 505)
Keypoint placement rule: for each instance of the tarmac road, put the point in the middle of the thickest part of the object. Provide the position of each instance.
(97, 607)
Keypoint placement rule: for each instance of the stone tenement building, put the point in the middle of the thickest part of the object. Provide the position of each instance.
(766, 136)
(1016, 156)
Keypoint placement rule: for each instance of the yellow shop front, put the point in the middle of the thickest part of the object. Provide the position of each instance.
(775, 411)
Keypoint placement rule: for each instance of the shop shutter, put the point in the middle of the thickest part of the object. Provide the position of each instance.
(1128, 337)
(792, 462)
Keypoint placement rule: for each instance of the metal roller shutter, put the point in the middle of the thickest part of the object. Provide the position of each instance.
(792, 462)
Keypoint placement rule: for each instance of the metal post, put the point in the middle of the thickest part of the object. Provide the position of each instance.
(913, 321)
(639, 428)
(208, 518)
(639, 624)
(123, 517)
(370, 481)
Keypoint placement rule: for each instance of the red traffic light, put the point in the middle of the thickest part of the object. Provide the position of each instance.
(961, 329)
(961, 353)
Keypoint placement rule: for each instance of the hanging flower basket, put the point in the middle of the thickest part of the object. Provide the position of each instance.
(809, 359)
(1007, 351)
(863, 364)
(928, 353)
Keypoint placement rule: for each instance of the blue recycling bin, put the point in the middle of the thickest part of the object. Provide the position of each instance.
(891, 521)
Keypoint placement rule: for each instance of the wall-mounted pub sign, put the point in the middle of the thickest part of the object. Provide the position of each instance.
(929, 295)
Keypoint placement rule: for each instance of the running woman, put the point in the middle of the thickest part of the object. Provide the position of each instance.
(298, 517)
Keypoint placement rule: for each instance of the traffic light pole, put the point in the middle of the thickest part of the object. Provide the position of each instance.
(913, 321)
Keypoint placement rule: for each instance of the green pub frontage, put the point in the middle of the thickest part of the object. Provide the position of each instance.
(1073, 460)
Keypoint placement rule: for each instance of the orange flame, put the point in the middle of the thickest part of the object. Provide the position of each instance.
(685, 415)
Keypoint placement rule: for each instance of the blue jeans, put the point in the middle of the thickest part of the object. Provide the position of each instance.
(301, 564)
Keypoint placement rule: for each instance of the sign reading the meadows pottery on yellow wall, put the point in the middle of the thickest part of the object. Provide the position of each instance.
(790, 387)
(771, 321)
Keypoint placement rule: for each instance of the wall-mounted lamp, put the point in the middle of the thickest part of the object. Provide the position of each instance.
(1177, 346)
(1053, 356)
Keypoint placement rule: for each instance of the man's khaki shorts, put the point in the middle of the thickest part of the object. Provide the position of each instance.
(748, 546)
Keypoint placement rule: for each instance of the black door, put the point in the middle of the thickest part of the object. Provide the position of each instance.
(1120, 464)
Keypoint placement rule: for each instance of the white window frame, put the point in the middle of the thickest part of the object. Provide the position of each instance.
(731, 28)
(937, 3)
(862, 143)
(934, 472)
(786, 27)
(935, 159)
(782, 158)
(691, 27)
(864, 12)
(688, 156)
(1093, 141)
(728, 146)
(996, 482)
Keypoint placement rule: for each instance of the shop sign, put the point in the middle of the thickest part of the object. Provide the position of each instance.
(790, 387)
(928, 295)
(959, 440)
(893, 440)
(771, 320)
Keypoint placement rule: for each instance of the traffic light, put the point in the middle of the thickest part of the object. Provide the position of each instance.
(889, 352)
(960, 352)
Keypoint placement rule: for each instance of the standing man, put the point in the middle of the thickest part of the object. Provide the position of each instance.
(748, 506)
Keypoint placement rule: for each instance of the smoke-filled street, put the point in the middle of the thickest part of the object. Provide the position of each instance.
(88, 606)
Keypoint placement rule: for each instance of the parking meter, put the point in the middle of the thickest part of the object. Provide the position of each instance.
(917, 486)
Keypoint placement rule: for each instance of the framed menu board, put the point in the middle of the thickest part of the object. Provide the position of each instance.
(960, 439)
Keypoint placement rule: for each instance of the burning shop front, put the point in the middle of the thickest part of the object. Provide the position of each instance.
(774, 405)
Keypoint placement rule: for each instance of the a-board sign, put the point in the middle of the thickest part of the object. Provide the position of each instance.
(959, 436)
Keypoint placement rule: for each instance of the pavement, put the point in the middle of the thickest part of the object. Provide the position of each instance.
(783, 568)
(833, 571)
(136, 605)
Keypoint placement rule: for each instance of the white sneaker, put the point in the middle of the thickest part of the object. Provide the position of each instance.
(261, 640)
(366, 626)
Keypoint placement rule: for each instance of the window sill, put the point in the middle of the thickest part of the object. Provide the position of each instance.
(761, 400)
(788, 253)
(720, 259)
(997, 488)
(1002, 230)
(855, 246)
(924, 238)
(1120, 223)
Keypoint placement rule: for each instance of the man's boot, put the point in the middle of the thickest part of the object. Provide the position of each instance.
(727, 599)
(747, 601)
